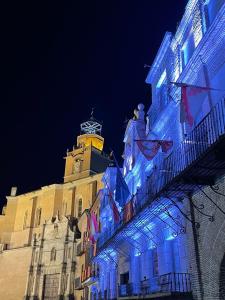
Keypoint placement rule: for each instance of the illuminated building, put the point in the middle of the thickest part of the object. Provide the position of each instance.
(169, 242)
(169, 239)
(40, 231)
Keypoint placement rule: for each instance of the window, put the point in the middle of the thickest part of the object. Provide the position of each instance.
(36, 257)
(6, 247)
(124, 278)
(56, 228)
(53, 254)
(77, 165)
(155, 262)
(38, 217)
(69, 252)
(94, 190)
(162, 91)
(79, 208)
(25, 220)
(188, 49)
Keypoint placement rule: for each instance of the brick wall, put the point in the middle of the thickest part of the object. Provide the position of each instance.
(210, 239)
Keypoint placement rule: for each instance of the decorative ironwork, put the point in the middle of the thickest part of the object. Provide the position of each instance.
(197, 224)
(171, 282)
(200, 208)
(216, 189)
(92, 126)
(209, 198)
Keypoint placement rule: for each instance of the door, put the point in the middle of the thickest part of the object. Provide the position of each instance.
(51, 287)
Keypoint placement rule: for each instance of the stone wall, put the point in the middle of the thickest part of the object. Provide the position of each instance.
(210, 242)
(14, 265)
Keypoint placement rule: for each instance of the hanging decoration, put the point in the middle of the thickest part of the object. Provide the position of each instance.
(115, 211)
(92, 226)
(122, 190)
(149, 148)
(193, 101)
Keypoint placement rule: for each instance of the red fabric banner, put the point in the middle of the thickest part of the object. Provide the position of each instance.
(192, 99)
(128, 211)
(149, 148)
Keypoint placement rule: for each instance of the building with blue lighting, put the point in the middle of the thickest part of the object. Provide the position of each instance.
(166, 239)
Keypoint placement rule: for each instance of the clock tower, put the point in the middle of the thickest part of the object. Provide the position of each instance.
(87, 157)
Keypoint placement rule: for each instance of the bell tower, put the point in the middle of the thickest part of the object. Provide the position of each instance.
(87, 157)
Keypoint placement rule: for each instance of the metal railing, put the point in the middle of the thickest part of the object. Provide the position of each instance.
(167, 283)
(175, 282)
(90, 271)
(196, 144)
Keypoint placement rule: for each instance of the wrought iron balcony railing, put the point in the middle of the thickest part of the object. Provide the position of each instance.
(198, 160)
(90, 272)
(167, 283)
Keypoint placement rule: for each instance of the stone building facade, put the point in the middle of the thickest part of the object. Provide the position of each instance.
(40, 230)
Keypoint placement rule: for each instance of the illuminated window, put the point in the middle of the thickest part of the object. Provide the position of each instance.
(79, 208)
(188, 49)
(162, 91)
(53, 254)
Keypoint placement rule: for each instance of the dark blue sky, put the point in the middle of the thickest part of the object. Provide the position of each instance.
(60, 59)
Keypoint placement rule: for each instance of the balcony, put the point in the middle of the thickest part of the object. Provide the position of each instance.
(90, 273)
(197, 162)
(167, 285)
(77, 284)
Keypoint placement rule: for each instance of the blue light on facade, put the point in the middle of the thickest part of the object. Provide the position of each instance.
(149, 242)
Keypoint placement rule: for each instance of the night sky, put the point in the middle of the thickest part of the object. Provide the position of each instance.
(60, 59)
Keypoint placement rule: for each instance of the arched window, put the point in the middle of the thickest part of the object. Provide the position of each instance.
(77, 165)
(79, 208)
(36, 256)
(53, 254)
(56, 228)
(69, 253)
